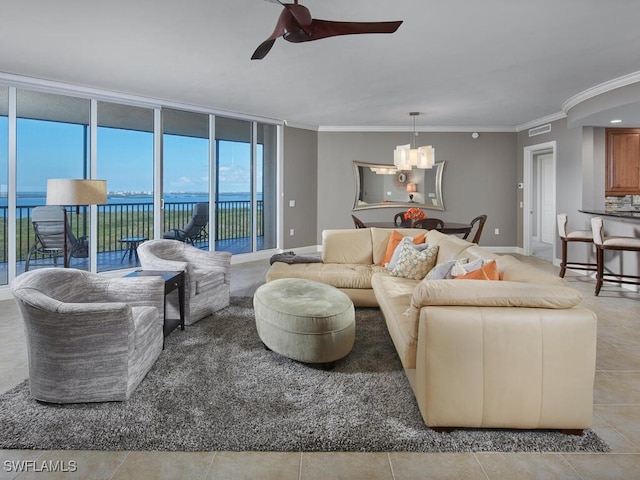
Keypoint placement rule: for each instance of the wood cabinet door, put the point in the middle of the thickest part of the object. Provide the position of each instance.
(623, 161)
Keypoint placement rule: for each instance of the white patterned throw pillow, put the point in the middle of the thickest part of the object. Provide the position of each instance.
(396, 253)
(413, 264)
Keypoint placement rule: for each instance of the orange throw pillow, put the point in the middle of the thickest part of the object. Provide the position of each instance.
(394, 240)
(487, 272)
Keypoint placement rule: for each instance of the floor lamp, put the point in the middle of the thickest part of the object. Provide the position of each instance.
(66, 191)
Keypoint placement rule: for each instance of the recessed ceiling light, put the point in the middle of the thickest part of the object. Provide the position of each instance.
(616, 121)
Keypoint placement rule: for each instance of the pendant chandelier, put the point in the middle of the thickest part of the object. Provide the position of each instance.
(405, 157)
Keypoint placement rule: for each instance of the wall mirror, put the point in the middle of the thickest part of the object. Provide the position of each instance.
(379, 186)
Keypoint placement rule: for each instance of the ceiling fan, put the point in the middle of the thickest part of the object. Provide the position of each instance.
(296, 25)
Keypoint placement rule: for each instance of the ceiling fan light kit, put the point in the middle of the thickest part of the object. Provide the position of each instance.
(296, 25)
(405, 157)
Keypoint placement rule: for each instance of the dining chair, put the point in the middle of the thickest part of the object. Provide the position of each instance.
(428, 224)
(480, 220)
(357, 222)
(399, 220)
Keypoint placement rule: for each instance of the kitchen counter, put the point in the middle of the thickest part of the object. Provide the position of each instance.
(623, 215)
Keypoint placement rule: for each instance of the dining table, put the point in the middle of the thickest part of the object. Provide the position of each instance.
(450, 228)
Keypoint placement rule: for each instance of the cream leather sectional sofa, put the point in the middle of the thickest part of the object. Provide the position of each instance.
(514, 353)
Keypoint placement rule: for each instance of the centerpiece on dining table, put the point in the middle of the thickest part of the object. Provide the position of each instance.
(414, 214)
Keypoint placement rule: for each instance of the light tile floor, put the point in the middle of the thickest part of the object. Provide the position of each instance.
(616, 419)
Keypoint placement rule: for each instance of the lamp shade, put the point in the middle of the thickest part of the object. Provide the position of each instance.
(67, 191)
(412, 188)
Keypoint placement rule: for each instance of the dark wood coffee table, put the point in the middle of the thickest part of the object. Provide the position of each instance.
(172, 281)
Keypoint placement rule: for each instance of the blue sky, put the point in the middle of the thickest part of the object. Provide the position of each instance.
(125, 159)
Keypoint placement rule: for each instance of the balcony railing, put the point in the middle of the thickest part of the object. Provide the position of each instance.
(116, 221)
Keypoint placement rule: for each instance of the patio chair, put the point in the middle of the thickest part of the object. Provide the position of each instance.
(89, 338)
(54, 237)
(195, 230)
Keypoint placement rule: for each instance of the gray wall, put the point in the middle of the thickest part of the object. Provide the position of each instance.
(580, 183)
(300, 165)
(568, 173)
(479, 177)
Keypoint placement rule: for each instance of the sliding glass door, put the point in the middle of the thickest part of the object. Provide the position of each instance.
(4, 185)
(185, 160)
(266, 185)
(229, 165)
(52, 141)
(125, 161)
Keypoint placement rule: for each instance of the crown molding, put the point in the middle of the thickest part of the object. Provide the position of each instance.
(49, 86)
(541, 121)
(600, 89)
(408, 128)
(302, 126)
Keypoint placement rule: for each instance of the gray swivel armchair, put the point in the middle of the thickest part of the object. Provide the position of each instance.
(89, 338)
(207, 275)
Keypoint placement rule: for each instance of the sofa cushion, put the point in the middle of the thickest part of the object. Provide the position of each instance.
(451, 247)
(513, 270)
(347, 246)
(414, 264)
(350, 275)
(393, 295)
(491, 294)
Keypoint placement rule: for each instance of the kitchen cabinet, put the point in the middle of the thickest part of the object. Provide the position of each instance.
(622, 161)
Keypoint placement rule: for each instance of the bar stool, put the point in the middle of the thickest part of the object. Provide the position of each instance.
(603, 243)
(584, 236)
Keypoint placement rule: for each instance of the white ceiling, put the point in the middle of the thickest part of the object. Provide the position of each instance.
(479, 64)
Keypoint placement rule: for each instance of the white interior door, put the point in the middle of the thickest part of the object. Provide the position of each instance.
(530, 201)
(546, 212)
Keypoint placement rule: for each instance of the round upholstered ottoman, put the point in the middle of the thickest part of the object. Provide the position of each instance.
(305, 320)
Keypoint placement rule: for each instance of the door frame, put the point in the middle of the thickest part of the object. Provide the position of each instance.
(527, 216)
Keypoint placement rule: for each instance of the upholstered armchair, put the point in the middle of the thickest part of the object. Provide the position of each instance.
(89, 338)
(207, 275)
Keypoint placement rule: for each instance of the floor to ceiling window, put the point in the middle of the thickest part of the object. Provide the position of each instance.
(125, 161)
(227, 164)
(185, 160)
(4, 182)
(234, 186)
(52, 141)
(267, 168)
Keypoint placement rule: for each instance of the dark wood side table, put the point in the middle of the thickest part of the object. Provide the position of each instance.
(172, 281)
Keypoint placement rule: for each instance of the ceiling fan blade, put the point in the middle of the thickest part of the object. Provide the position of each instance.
(263, 49)
(282, 26)
(327, 28)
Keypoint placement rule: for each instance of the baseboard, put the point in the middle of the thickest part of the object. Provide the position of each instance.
(501, 250)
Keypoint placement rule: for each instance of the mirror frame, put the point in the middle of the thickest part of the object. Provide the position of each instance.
(439, 166)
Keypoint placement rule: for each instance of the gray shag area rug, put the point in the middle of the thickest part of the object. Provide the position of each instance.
(215, 387)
